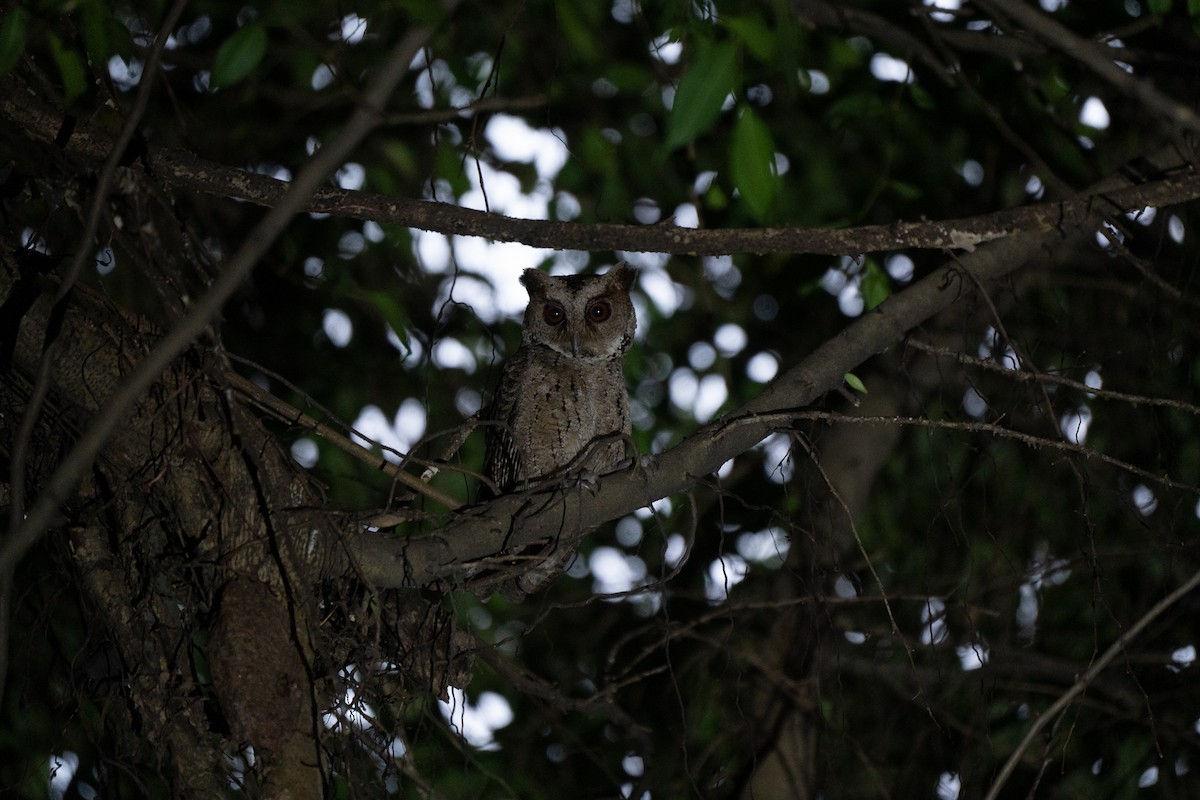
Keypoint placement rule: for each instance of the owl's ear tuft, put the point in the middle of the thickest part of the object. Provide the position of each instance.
(622, 275)
(534, 279)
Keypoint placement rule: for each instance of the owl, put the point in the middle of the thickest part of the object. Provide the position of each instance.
(563, 391)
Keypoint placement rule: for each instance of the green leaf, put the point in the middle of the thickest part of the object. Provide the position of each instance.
(701, 93)
(856, 109)
(577, 30)
(12, 38)
(70, 67)
(754, 34)
(855, 382)
(752, 163)
(921, 98)
(905, 190)
(715, 198)
(1160, 7)
(383, 303)
(97, 24)
(393, 314)
(876, 286)
(238, 55)
(630, 78)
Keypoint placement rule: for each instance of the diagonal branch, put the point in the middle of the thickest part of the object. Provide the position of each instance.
(521, 519)
(1083, 681)
(516, 520)
(1095, 58)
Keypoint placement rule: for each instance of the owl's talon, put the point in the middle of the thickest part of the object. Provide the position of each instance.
(590, 480)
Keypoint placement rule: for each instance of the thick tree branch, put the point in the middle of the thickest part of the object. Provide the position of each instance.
(960, 234)
(184, 170)
(521, 519)
(515, 520)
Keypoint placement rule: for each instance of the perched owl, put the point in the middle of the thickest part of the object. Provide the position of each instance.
(562, 389)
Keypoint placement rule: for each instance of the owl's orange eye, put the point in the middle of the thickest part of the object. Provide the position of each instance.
(599, 311)
(553, 314)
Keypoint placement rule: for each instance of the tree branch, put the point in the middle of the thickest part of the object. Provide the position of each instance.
(1095, 58)
(1084, 680)
(521, 519)
(840, 17)
(186, 171)
(1000, 432)
(286, 412)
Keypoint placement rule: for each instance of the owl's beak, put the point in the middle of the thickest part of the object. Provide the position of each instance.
(575, 345)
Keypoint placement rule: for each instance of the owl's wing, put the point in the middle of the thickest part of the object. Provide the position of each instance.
(501, 456)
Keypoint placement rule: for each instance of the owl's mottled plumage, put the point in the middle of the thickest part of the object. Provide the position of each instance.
(565, 385)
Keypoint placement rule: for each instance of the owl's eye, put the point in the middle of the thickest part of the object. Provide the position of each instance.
(553, 314)
(599, 311)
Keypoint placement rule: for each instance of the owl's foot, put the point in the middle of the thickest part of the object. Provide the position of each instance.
(537, 577)
(590, 480)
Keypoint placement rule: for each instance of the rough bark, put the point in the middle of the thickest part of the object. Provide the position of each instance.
(196, 522)
(190, 496)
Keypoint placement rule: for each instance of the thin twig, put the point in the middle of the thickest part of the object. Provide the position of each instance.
(1082, 682)
(286, 412)
(1094, 57)
(83, 250)
(785, 420)
(943, 37)
(1050, 377)
(862, 549)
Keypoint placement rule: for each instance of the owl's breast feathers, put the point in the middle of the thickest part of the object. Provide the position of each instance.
(548, 408)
